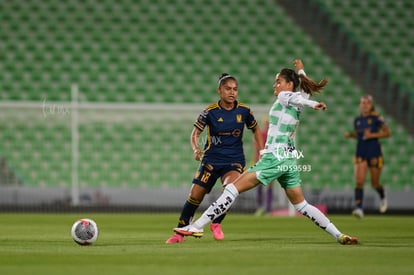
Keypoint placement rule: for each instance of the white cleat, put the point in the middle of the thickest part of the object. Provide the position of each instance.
(358, 212)
(383, 205)
(189, 230)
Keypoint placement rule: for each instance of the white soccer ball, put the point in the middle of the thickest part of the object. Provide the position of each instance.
(84, 232)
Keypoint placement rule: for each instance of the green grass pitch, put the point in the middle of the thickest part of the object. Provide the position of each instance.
(134, 243)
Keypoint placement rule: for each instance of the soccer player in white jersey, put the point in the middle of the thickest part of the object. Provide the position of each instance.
(278, 159)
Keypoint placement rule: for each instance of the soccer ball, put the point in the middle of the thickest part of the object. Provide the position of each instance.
(84, 232)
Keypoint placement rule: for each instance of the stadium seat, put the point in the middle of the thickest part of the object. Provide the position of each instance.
(125, 52)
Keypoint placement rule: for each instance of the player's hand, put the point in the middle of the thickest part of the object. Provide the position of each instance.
(320, 106)
(198, 154)
(367, 134)
(298, 64)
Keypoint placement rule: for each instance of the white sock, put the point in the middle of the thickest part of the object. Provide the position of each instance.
(219, 207)
(331, 229)
(318, 218)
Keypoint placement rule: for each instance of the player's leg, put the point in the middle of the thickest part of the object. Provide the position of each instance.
(360, 171)
(194, 199)
(259, 201)
(245, 182)
(264, 171)
(296, 197)
(227, 178)
(269, 197)
(203, 182)
(375, 173)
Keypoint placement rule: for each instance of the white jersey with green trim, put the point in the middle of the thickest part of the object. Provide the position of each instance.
(284, 119)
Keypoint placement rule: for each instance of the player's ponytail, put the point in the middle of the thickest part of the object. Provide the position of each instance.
(309, 86)
(302, 81)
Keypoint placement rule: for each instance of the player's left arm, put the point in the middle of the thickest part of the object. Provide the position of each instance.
(257, 134)
(383, 132)
(383, 129)
(296, 99)
(251, 123)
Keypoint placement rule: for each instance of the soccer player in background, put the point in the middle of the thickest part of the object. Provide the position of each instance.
(369, 127)
(279, 153)
(223, 155)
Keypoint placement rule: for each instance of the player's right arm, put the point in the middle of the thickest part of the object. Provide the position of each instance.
(195, 135)
(353, 133)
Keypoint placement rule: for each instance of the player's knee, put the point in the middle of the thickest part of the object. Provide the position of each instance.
(195, 201)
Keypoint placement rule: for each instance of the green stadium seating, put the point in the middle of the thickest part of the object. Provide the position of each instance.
(126, 52)
(391, 20)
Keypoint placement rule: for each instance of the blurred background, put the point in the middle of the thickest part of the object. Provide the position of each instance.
(98, 98)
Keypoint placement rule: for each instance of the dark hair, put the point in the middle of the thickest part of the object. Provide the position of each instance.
(224, 77)
(306, 84)
(290, 76)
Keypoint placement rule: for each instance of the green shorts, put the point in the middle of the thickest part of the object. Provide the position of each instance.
(269, 168)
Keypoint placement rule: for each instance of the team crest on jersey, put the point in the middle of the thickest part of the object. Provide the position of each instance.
(369, 121)
(239, 118)
(220, 119)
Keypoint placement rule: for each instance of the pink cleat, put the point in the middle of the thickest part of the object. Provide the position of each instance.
(217, 232)
(176, 238)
